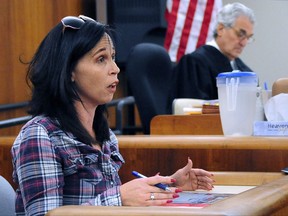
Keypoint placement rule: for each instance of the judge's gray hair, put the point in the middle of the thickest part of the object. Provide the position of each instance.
(230, 12)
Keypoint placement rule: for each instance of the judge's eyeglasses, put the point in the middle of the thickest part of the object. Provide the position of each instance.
(241, 34)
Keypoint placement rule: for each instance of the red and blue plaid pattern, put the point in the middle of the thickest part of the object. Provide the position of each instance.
(53, 169)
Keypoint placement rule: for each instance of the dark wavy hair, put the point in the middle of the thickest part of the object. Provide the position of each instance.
(50, 71)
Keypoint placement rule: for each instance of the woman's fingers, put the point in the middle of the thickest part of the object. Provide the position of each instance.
(154, 180)
(154, 196)
(201, 172)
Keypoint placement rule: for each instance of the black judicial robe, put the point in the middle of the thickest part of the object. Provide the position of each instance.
(195, 74)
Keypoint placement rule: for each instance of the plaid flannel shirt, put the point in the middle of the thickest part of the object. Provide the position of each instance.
(53, 169)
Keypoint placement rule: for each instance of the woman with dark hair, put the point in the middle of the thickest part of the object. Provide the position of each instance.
(67, 155)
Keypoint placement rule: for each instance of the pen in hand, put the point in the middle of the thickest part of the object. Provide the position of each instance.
(159, 185)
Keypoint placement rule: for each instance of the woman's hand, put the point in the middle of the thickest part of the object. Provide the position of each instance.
(189, 178)
(142, 192)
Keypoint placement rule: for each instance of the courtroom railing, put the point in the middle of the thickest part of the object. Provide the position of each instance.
(13, 121)
(11, 106)
(119, 105)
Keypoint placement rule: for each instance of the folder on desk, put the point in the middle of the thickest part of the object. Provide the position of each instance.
(203, 198)
(199, 200)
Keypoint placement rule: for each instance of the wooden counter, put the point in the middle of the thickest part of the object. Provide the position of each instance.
(211, 152)
(265, 199)
(167, 153)
(202, 142)
(197, 124)
(151, 154)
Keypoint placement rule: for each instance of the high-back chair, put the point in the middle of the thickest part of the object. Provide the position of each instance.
(148, 72)
(7, 198)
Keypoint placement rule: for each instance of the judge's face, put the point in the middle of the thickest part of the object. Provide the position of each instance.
(232, 40)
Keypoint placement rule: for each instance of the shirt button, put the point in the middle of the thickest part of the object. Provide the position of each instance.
(111, 183)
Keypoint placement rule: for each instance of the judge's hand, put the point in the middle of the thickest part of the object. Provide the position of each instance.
(143, 192)
(189, 178)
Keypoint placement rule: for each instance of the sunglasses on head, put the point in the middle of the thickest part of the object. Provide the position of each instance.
(75, 22)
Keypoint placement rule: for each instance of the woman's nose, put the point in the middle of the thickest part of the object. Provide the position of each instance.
(115, 69)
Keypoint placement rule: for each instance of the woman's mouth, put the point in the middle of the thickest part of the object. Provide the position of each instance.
(112, 87)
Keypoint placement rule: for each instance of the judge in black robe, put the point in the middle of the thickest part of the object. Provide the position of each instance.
(195, 74)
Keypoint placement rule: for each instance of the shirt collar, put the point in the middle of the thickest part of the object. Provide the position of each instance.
(214, 44)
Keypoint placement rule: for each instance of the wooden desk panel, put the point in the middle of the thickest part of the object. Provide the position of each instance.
(207, 124)
(268, 199)
(202, 142)
(152, 161)
(211, 152)
(166, 154)
(150, 157)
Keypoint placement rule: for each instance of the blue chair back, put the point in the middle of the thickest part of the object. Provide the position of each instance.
(7, 198)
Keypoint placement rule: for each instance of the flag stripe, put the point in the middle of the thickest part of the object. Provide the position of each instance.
(205, 23)
(187, 26)
(171, 17)
(181, 16)
(190, 24)
(196, 26)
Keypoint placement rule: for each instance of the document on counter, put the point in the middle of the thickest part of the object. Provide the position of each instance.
(201, 198)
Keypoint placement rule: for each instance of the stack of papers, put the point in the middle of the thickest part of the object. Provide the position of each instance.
(189, 106)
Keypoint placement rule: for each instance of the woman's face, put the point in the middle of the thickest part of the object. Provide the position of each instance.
(95, 74)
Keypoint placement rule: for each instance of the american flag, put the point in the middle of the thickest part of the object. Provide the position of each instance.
(190, 24)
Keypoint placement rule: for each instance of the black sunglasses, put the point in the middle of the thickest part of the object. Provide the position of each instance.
(75, 22)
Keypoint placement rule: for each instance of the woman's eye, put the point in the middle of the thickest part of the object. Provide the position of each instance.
(101, 59)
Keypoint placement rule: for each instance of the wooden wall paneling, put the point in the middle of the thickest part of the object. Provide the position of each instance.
(23, 26)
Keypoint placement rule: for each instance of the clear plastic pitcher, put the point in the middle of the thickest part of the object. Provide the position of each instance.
(237, 92)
